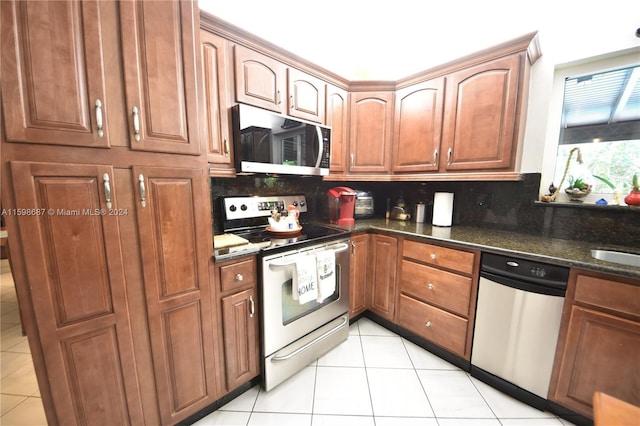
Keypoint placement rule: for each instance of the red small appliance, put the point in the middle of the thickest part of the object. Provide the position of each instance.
(342, 203)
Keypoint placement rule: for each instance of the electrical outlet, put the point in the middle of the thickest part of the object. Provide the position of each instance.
(483, 200)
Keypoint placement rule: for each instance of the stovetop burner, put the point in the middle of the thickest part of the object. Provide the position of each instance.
(246, 217)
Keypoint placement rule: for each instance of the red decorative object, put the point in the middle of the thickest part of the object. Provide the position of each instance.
(633, 199)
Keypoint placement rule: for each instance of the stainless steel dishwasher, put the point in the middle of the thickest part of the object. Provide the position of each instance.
(517, 324)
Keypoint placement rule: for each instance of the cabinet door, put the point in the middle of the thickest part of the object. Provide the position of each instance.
(600, 355)
(77, 285)
(171, 211)
(337, 117)
(418, 127)
(384, 255)
(358, 274)
(53, 82)
(480, 113)
(306, 96)
(160, 52)
(370, 132)
(260, 80)
(240, 323)
(215, 51)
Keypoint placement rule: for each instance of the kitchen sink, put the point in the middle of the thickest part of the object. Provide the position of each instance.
(621, 257)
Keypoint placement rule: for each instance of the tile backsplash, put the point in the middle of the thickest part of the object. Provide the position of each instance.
(492, 205)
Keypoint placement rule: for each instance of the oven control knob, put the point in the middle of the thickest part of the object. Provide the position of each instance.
(302, 203)
(243, 207)
(295, 204)
(232, 208)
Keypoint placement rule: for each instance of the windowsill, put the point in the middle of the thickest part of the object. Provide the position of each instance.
(582, 205)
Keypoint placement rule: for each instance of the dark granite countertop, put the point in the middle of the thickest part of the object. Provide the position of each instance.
(551, 250)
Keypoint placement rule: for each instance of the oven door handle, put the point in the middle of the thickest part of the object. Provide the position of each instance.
(311, 343)
(340, 248)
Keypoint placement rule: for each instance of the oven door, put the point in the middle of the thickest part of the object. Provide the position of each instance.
(286, 320)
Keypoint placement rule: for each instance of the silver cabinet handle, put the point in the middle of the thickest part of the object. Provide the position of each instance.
(226, 146)
(449, 157)
(435, 157)
(433, 256)
(291, 105)
(427, 324)
(143, 191)
(239, 277)
(107, 190)
(99, 118)
(430, 286)
(278, 98)
(252, 307)
(136, 124)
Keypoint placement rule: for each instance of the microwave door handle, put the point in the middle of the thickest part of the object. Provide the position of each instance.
(320, 146)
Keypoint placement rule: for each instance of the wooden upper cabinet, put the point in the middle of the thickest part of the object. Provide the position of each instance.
(418, 126)
(370, 132)
(306, 96)
(54, 74)
(216, 80)
(77, 288)
(480, 116)
(260, 80)
(337, 117)
(53, 81)
(160, 53)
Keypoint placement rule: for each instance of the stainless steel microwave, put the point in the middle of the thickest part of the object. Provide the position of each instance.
(267, 142)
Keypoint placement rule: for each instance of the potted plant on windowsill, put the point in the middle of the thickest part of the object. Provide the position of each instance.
(577, 189)
(633, 199)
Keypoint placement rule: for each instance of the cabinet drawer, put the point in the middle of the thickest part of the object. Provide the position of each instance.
(439, 256)
(446, 289)
(609, 294)
(438, 326)
(237, 274)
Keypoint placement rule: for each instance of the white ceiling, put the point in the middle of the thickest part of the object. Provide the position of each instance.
(389, 40)
(376, 39)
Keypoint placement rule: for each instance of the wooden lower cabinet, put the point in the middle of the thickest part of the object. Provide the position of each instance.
(240, 320)
(359, 274)
(436, 325)
(437, 293)
(117, 303)
(383, 264)
(77, 290)
(170, 207)
(599, 342)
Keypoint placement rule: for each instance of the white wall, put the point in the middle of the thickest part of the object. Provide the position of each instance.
(571, 36)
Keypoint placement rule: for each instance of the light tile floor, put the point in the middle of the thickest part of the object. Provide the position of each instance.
(379, 378)
(20, 402)
(374, 378)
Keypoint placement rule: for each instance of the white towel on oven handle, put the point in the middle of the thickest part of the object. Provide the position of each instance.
(326, 266)
(304, 286)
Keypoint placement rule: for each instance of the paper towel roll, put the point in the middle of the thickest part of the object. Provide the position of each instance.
(442, 208)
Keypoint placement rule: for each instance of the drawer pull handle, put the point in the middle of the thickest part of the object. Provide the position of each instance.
(252, 307)
(239, 277)
(427, 324)
(430, 286)
(433, 256)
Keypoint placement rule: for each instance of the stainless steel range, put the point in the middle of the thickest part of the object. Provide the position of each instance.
(303, 281)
